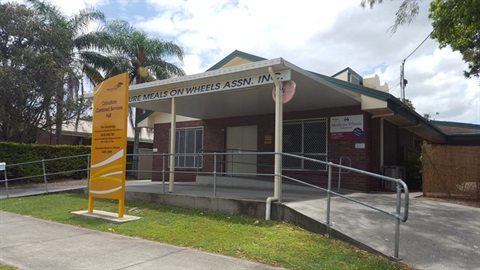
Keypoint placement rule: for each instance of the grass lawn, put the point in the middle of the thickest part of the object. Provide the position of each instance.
(270, 242)
(7, 267)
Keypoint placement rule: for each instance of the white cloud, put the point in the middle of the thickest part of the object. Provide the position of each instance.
(322, 36)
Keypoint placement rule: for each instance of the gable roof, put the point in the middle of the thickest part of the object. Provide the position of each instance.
(349, 70)
(233, 55)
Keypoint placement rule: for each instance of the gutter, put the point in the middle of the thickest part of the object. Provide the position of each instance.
(416, 121)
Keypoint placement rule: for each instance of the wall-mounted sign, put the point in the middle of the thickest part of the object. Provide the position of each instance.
(268, 139)
(347, 127)
(224, 85)
(109, 141)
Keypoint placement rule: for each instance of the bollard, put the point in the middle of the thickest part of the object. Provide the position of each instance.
(3, 167)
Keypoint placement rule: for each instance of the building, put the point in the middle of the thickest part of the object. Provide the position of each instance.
(343, 118)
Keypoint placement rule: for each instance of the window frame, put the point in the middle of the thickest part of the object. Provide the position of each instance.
(322, 120)
(197, 160)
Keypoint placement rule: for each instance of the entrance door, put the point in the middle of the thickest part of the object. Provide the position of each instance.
(242, 139)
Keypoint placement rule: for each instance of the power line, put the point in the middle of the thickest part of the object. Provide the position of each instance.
(419, 45)
(403, 81)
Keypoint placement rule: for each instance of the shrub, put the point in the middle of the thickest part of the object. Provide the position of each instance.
(15, 153)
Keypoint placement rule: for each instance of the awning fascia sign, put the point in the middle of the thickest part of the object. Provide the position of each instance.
(214, 86)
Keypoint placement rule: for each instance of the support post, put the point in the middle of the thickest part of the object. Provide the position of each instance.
(215, 174)
(45, 176)
(382, 146)
(397, 221)
(277, 192)
(5, 177)
(329, 189)
(88, 172)
(163, 173)
(278, 138)
(171, 177)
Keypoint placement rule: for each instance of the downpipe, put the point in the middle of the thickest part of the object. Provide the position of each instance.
(268, 207)
(278, 146)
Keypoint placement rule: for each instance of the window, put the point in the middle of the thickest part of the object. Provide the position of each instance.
(354, 79)
(188, 141)
(306, 138)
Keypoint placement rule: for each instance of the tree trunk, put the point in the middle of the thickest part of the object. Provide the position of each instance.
(59, 117)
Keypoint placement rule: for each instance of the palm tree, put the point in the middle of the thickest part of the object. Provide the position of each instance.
(79, 60)
(144, 58)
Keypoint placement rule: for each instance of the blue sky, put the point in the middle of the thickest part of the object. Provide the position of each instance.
(321, 36)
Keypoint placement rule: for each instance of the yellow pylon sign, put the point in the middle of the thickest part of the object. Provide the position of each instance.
(109, 142)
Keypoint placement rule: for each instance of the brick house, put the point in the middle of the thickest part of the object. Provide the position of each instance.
(230, 108)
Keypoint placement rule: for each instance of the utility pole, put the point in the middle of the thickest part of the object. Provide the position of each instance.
(403, 81)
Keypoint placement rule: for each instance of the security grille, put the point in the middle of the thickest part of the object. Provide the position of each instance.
(306, 138)
(188, 141)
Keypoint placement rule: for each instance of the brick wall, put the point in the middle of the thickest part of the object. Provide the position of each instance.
(215, 140)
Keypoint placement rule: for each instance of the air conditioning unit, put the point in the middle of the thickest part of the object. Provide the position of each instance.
(394, 172)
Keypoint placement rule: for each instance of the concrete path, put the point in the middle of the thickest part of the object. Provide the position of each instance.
(30, 243)
(437, 235)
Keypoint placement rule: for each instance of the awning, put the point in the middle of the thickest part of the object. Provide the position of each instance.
(238, 91)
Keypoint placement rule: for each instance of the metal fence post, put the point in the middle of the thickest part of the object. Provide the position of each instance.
(215, 174)
(329, 188)
(397, 221)
(88, 172)
(6, 180)
(45, 176)
(163, 173)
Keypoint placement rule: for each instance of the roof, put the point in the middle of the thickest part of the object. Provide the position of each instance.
(233, 55)
(456, 128)
(317, 91)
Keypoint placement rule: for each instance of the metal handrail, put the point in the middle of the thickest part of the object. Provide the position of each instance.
(44, 173)
(401, 186)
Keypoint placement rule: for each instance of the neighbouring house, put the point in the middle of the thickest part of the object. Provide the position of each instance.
(82, 135)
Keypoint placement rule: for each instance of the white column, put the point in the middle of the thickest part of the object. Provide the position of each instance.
(278, 141)
(173, 128)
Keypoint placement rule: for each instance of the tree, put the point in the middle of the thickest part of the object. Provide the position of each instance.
(80, 59)
(131, 50)
(29, 71)
(408, 103)
(455, 23)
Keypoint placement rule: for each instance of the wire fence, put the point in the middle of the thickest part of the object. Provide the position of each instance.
(50, 171)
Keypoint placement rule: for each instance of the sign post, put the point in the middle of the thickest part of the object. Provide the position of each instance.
(109, 142)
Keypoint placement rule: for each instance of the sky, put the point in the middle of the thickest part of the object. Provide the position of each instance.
(320, 36)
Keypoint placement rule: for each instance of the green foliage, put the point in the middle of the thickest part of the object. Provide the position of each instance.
(14, 153)
(409, 103)
(413, 167)
(406, 13)
(40, 68)
(29, 49)
(132, 51)
(457, 23)
(270, 242)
